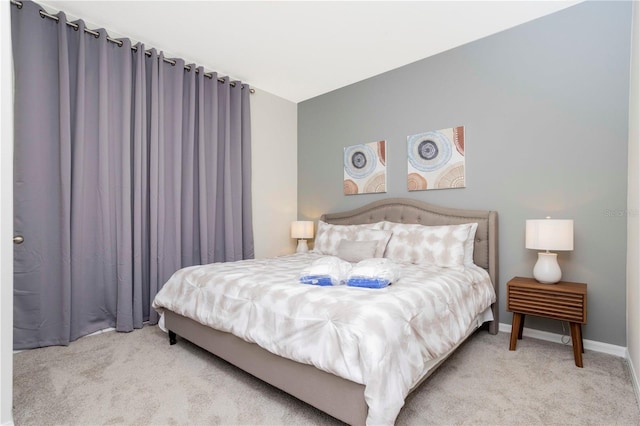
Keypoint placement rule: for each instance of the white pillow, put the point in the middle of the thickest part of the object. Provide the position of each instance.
(469, 244)
(328, 236)
(355, 251)
(428, 245)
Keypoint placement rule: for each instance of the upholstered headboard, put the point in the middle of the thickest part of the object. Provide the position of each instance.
(404, 210)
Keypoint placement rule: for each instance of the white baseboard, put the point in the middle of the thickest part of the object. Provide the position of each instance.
(592, 345)
(634, 377)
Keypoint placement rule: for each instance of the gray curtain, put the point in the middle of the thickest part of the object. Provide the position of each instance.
(127, 168)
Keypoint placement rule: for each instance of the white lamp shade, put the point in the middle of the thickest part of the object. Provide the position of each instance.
(549, 234)
(302, 229)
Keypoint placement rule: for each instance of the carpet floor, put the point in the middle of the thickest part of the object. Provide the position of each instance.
(138, 379)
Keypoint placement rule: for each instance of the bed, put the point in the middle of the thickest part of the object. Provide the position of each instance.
(344, 385)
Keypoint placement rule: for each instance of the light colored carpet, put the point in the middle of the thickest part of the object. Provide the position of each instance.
(138, 379)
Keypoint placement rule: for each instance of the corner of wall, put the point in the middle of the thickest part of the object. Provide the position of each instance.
(274, 168)
(633, 208)
(634, 377)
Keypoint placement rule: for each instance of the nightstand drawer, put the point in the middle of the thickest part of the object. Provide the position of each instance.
(563, 301)
(565, 307)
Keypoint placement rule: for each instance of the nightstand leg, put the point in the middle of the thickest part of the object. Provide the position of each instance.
(576, 339)
(579, 327)
(516, 330)
(521, 327)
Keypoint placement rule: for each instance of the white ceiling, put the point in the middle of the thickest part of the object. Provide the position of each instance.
(301, 49)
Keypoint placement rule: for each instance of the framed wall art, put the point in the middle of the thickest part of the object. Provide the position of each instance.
(436, 159)
(365, 168)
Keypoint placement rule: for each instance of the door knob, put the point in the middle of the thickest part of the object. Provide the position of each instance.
(18, 239)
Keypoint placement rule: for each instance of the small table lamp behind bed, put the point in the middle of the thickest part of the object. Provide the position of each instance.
(302, 230)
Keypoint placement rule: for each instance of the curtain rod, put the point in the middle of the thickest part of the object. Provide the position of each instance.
(120, 43)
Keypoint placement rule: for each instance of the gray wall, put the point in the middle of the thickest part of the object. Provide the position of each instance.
(545, 110)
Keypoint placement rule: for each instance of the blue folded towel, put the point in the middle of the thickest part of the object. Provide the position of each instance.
(316, 279)
(328, 270)
(367, 282)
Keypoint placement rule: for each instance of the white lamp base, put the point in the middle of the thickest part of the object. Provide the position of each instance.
(547, 270)
(303, 247)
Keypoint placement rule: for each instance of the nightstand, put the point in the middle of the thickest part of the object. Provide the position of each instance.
(564, 301)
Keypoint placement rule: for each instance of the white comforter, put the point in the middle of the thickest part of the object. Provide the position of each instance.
(382, 338)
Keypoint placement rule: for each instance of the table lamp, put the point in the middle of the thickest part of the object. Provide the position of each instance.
(548, 234)
(302, 230)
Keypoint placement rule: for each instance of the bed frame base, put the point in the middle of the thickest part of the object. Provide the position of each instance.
(341, 398)
(338, 397)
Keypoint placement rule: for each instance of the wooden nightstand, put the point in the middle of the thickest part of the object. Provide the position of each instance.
(563, 301)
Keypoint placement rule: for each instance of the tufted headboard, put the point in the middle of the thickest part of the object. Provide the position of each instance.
(405, 210)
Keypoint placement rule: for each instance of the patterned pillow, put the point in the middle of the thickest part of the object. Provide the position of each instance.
(355, 251)
(328, 236)
(428, 245)
(469, 244)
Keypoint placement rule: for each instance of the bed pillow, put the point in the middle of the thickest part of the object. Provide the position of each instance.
(469, 244)
(328, 236)
(355, 251)
(381, 236)
(443, 246)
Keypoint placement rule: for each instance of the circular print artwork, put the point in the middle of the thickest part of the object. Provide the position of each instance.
(452, 177)
(429, 151)
(350, 187)
(382, 155)
(458, 139)
(376, 183)
(359, 161)
(416, 182)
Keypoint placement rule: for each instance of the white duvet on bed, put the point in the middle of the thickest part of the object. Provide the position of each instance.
(382, 338)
